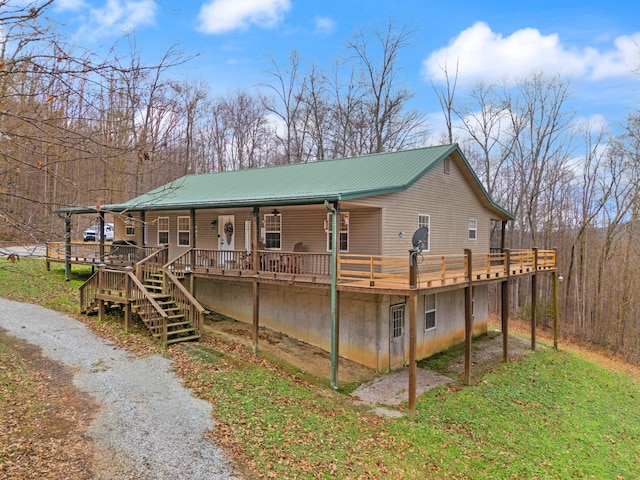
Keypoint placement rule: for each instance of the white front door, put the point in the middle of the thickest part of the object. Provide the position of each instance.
(226, 232)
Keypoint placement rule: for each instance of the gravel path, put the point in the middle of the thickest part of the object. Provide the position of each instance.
(149, 426)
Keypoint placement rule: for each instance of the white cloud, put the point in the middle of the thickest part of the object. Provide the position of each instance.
(69, 5)
(324, 25)
(482, 54)
(221, 16)
(119, 16)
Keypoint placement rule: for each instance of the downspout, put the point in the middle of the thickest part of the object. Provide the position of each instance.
(334, 209)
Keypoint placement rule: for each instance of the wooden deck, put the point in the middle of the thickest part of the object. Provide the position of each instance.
(355, 272)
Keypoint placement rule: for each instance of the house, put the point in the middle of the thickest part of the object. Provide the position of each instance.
(351, 255)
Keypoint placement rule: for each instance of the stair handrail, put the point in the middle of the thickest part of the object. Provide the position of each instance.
(88, 292)
(196, 311)
(177, 264)
(146, 296)
(163, 252)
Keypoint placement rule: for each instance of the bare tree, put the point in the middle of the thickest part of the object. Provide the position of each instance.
(446, 98)
(288, 107)
(385, 99)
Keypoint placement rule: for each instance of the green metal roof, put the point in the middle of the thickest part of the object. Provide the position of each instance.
(297, 184)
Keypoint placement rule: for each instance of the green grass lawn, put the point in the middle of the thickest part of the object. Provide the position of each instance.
(549, 415)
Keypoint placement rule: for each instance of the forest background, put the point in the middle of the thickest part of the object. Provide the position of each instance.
(79, 128)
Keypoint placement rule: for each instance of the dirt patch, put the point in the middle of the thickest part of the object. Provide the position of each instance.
(43, 417)
(294, 354)
(487, 354)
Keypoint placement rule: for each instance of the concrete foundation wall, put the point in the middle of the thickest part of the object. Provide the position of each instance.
(364, 319)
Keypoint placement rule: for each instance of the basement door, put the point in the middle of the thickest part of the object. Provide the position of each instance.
(397, 336)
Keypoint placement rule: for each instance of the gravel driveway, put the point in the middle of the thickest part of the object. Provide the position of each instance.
(148, 426)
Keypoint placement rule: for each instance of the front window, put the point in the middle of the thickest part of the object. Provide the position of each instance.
(343, 238)
(184, 231)
(130, 226)
(163, 230)
(273, 231)
(473, 229)
(430, 311)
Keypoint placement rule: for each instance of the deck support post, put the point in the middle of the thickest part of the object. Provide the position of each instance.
(256, 314)
(127, 294)
(101, 268)
(468, 317)
(67, 247)
(504, 309)
(554, 288)
(413, 308)
(534, 297)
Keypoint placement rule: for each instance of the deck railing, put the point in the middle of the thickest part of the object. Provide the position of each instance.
(199, 260)
(190, 307)
(89, 253)
(366, 270)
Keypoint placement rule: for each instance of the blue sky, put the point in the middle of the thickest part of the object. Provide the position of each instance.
(596, 44)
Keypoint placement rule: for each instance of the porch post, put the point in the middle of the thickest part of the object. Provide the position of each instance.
(534, 297)
(143, 229)
(505, 307)
(67, 247)
(102, 235)
(504, 231)
(254, 239)
(413, 308)
(101, 268)
(192, 254)
(468, 318)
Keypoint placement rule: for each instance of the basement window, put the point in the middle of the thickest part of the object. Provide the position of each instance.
(430, 311)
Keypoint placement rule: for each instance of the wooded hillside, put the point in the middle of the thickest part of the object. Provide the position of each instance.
(79, 128)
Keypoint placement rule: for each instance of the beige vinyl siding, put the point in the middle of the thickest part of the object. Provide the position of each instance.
(306, 225)
(449, 200)
(120, 229)
(299, 224)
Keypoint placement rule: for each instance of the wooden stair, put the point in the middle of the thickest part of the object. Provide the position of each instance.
(179, 329)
